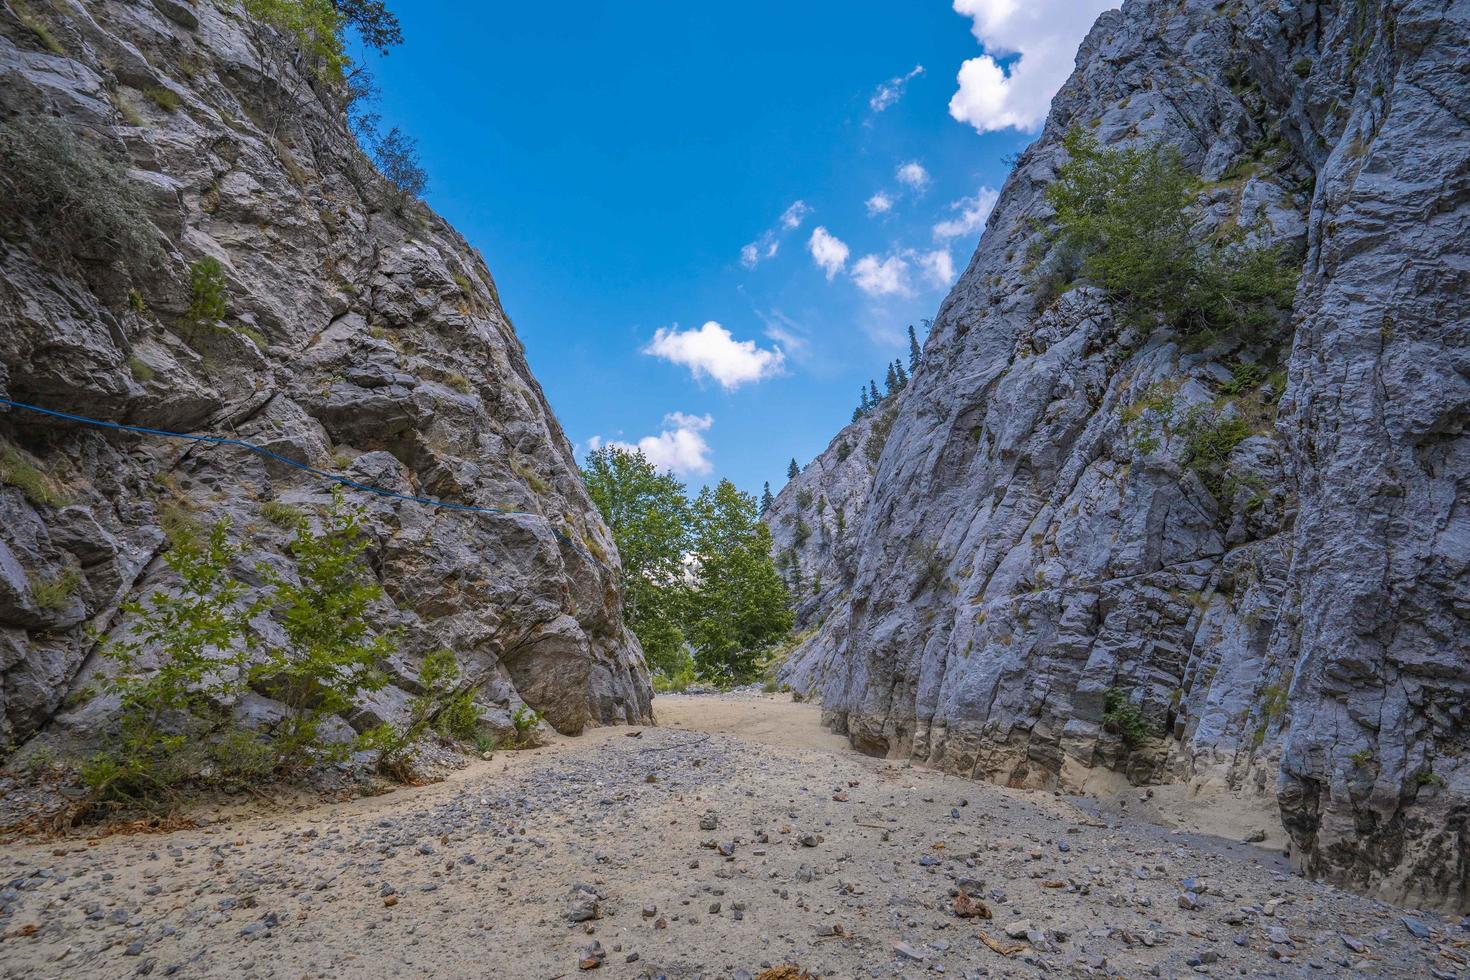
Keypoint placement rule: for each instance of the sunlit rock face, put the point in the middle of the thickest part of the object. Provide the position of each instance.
(356, 340)
(1037, 561)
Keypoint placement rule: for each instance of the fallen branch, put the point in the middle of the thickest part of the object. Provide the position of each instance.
(676, 745)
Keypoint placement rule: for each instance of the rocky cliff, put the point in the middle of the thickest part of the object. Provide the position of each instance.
(1046, 579)
(359, 335)
(814, 519)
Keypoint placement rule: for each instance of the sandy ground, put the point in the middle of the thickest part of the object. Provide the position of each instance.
(591, 854)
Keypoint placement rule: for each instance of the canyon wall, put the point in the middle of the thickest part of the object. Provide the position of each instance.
(361, 335)
(1044, 581)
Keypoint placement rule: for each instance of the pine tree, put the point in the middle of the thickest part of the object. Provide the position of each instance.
(873, 392)
(766, 499)
(857, 413)
(793, 470)
(866, 405)
(915, 353)
(903, 377)
(890, 381)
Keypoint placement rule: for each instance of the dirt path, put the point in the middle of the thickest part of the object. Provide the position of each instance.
(841, 863)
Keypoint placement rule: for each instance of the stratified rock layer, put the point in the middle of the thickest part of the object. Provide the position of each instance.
(1040, 569)
(356, 340)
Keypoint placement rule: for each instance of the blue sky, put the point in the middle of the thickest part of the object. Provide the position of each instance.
(621, 165)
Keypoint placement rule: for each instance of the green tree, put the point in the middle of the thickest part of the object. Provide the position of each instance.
(184, 655)
(330, 655)
(915, 352)
(649, 518)
(792, 470)
(864, 406)
(1127, 214)
(209, 292)
(901, 375)
(767, 501)
(739, 604)
(890, 381)
(397, 157)
(374, 22)
(873, 397)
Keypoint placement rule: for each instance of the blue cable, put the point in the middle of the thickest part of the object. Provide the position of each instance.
(333, 477)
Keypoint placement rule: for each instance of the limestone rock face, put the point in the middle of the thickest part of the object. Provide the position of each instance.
(356, 339)
(1045, 578)
(815, 517)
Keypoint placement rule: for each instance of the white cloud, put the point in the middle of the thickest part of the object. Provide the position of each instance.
(938, 267)
(712, 352)
(1044, 34)
(891, 91)
(885, 277)
(679, 447)
(973, 212)
(766, 246)
(879, 203)
(829, 251)
(914, 175)
(793, 216)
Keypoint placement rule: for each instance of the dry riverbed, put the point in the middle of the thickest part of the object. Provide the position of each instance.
(735, 838)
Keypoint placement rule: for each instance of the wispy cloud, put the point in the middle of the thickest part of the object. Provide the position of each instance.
(887, 95)
(712, 352)
(879, 203)
(786, 332)
(680, 447)
(1044, 34)
(972, 214)
(769, 243)
(828, 251)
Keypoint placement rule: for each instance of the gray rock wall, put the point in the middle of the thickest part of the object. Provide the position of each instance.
(815, 518)
(356, 340)
(1037, 547)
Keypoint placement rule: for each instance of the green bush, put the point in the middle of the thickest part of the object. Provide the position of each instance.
(77, 201)
(678, 679)
(524, 720)
(1244, 377)
(1210, 437)
(169, 715)
(330, 656)
(1127, 214)
(56, 592)
(1124, 718)
(282, 515)
(441, 706)
(803, 532)
(208, 291)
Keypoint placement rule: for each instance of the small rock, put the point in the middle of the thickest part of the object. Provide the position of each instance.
(592, 956)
